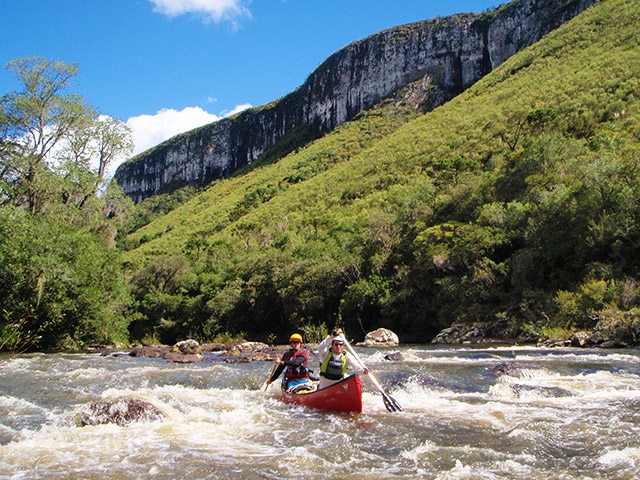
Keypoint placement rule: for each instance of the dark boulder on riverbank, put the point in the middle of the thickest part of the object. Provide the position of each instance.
(189, 351)
(486, 332)
(121, 412)
(611, 329)
(152, 351)
(169, 353)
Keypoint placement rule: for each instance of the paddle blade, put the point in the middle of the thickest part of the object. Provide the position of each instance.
(390, 403)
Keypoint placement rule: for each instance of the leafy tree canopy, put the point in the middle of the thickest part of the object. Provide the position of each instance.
(61, 285)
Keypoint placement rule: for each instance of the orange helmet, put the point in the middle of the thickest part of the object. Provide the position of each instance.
(296, 337)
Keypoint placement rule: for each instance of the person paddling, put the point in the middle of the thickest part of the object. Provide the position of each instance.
(295, 364)
(334, 361)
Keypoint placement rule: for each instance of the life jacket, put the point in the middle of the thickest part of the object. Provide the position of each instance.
(333, 369)
(296, 373)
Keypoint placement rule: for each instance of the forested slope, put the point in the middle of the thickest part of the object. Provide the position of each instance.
(517, 200)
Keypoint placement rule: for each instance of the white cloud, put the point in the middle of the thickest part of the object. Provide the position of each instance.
(150, 130)
(214, 9)
(237, 109)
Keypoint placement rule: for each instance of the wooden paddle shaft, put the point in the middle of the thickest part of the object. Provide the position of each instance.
(270, 375)
(374, 380)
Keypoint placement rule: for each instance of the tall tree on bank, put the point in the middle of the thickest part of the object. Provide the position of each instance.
(60, 283)
(46, 129)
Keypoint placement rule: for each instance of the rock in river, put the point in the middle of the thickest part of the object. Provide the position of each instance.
(381, 337)
(121, 412)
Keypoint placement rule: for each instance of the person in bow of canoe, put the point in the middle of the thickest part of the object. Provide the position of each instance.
(295, 363)
(334, 361)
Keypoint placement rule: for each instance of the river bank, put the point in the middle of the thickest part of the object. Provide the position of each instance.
(610, 329)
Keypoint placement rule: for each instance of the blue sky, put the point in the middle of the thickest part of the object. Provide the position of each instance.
(167, 66)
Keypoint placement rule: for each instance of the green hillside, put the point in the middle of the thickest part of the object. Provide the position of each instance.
(518, 200)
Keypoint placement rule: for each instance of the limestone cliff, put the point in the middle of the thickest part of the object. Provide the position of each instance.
(445, 54)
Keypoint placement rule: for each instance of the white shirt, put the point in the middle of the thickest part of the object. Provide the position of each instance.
(324, 348)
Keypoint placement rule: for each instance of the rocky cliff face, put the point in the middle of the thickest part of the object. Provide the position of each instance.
(445, 54)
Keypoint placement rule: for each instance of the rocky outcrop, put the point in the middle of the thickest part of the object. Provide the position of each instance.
(499, 331)
(190, 351)
(381, 337)
(187, 351)
(611, 329)
(444, 55)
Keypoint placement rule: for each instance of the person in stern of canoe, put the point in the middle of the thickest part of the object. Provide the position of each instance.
(295, 364)
(334, 361)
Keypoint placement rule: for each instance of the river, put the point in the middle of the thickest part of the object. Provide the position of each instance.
(559, 414)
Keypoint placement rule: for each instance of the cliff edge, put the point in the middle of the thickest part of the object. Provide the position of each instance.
(446, 55)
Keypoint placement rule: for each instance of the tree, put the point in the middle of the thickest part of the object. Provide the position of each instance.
(99, 142)
(48, 134)
(34, 121)
(60, 283)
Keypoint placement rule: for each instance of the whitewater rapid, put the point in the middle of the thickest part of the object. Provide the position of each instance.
(469, 413)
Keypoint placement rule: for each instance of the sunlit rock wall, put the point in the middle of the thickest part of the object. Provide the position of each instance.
(448, 54)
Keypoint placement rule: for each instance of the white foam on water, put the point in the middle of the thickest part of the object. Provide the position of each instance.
(589, 389)
(521, 355)
(627, 457)
(232, 411)
(456, 360)
(502, 427)
(19, 406)
(216, 424)
(88, 373)
(466, 472)
(515, 469)
(19, 363)
(580, 357)
(6, 430)
(457, 408)
(418, 453)
(373, 403)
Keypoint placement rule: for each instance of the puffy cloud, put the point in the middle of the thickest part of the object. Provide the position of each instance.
(215, 9)
(238, 109)
(150, 130)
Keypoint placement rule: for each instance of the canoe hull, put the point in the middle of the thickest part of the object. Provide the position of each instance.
(344, 397)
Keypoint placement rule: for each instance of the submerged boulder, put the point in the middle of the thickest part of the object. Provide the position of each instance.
(510, 369)
(394, 357)
(121, 412)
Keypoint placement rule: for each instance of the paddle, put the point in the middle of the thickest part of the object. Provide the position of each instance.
(389, 402)
(270, 375)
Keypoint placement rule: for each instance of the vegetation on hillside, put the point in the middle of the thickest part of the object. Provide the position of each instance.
(516, 201)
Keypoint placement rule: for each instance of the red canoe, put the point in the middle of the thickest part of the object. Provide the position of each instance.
(344, 397)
